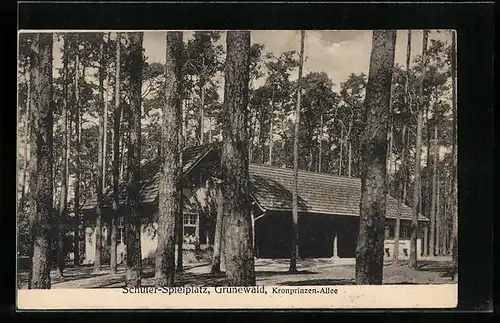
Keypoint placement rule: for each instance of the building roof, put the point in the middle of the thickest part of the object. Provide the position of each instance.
(317, 193)
(150, 178)
(271, 188)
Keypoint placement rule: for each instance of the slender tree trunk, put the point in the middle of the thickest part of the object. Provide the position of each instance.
(320, 142)
(80, 231)
(124, 139)
(295, 212)
(41, 68)
(116, 161)
(349, 149)
(100, 160)
(202, 111)
(133, 218)
(401, 195)
(216, 258)
(341, 152)
(418, 150)
(438, 216)
(27, 126)
(261, 137)
(63, 203)
(454, 188)
(170, 174)
(271, 121)
(180, 215)
(105, 139)
(238, 251)
(433, 238)
(370, 246)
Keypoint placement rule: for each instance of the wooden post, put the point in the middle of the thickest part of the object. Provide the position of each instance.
(425, 237)
(335, 250)
(253, 231)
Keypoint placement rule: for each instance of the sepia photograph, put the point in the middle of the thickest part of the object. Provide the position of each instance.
(230, 161)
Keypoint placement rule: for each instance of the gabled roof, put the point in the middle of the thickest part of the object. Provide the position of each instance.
(150, 178)
(271, 188)
(317, 193)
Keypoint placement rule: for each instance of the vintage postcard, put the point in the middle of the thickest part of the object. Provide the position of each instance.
(209, 169)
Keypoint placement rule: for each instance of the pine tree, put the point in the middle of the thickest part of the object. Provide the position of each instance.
(295, 216)
(170, 174)
(41, 181)
(418, 150)
(238, 253)
(133, 214)
(370, 245)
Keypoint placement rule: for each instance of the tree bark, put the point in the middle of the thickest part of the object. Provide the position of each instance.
(42, 146)
(202, 111)
(116, 161)
(439, 227)
(170, 175)
(401, 195)
(418, 150)
(133, 218)
(433, 235)
(454, 200)
(63, 203)
(79, 242)
(216, 258)
(271, 121)
(295, 213)
(341, 152)
(27, 126)
(100, 160)
(238, 251)
(370, 246)
(320, 142)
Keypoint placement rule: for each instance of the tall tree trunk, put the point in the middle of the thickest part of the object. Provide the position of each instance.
(180, 215)
(418, 150)
(349, 149)
(80, 233)
(401, 194)
(202, 111)
(105, 139)
(438, 216)
(320, 142)
(170, 174)
(295, 212)
(370, 246)
(271, 121)
(27, 127)
(433, 237)
(116, 161)
(133, 218)
(100, 160)
(63, 204)
(403, 182)
(341, 152)
(261, 137)
(216, 258)
(454, 240)
(41, 180)
(238, 251)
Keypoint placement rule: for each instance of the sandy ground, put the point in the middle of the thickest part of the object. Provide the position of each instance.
(268, 272)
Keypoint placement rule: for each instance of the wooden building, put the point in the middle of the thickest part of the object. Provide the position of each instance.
(328, 210)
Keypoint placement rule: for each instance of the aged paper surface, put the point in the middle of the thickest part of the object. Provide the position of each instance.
(333, 232)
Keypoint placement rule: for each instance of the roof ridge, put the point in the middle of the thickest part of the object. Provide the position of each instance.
(307, 172)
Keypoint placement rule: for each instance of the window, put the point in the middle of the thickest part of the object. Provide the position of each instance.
(120, 234)
(404, 233)
(389, 232)
(189, 228)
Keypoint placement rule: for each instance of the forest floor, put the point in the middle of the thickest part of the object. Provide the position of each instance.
(269, 272)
